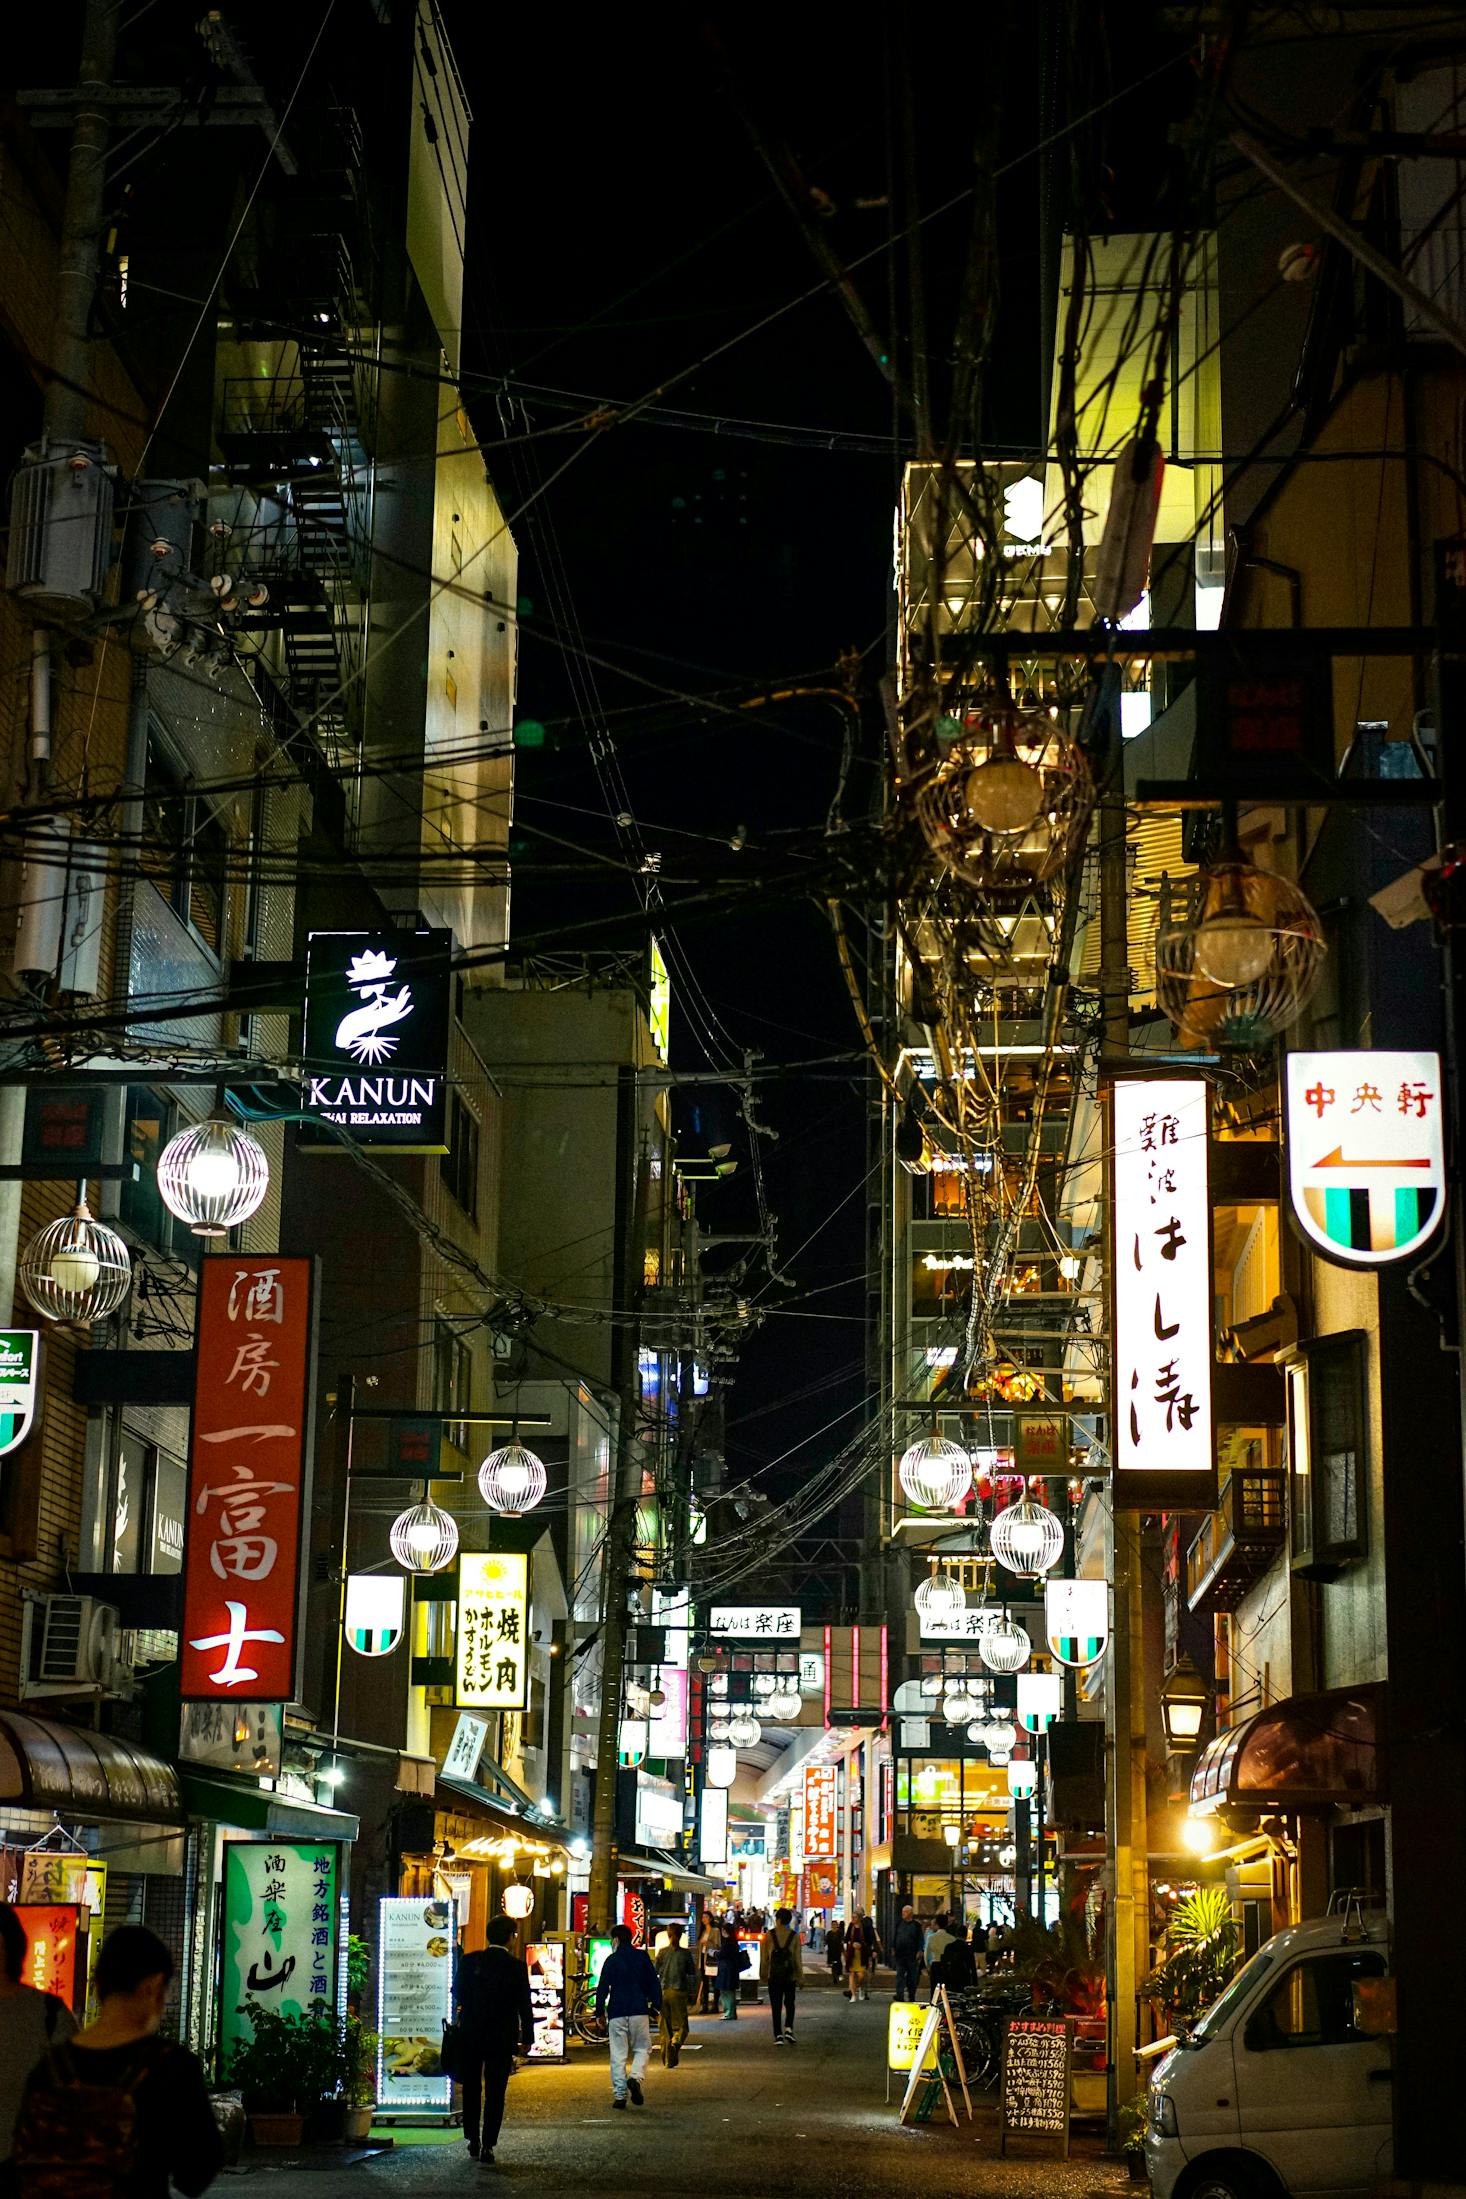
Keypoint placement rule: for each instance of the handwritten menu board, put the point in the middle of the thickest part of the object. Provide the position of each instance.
(1034, 2094)
(546, 1959)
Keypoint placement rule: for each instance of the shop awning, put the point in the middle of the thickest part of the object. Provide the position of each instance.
(656, 1863)
(249, 1807)
(1307, 1753)
(504, 1816)
(45, 1764)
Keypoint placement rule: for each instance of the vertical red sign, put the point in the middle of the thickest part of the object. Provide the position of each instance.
(50, 1965)
(248, 1469)
(819, 1814)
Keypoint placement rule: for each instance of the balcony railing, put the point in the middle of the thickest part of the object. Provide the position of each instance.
(1236, 1544)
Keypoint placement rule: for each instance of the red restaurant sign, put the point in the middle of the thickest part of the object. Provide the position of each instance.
(50, 1964)
(247, 1478)
(819, 1813)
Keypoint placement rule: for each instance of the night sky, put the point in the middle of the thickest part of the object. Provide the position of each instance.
(622, 226)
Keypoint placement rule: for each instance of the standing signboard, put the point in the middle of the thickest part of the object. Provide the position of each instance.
(492, 1661)
(546, 1962)
(1033, 2092)
(1162, 1287)
(376, 1037)
(281, 1925)
(248, 1479)
(416, 1941)
(1366, 1152)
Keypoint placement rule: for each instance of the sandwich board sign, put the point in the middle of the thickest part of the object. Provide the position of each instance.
(1366, 1152)
(1033, 2092)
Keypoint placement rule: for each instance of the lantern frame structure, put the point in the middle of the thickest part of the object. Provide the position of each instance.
(1027, 1538)
(213, 1175)
(424, 1538)
(512, 1479)
(1008, 802)
(98, 1257)
(939, 1596)
(935, 1473)
(1005, 1647)
(1239, 953)
(1184, 1699)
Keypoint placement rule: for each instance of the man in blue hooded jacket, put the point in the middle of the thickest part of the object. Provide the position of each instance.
(630, 1991)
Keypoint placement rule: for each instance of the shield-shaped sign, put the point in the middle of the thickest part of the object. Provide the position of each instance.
(1366, 1152)
(1040, 1699)
(374, 1613)
(20, 1351)
(1077, 1620)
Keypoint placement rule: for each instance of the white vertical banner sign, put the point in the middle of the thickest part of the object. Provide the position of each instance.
(1164, 1454)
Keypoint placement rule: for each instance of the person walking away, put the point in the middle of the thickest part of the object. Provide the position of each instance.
(492, 2002)
(870, 1940)
(906, 1954)
(957, 1970)
(117, 2110)
(707, 1963)
(729, 1971)
(29, 2023)
(835, 1949)
(781, 1969)
(677, 1972)
(631, 1992)
(938, 1939)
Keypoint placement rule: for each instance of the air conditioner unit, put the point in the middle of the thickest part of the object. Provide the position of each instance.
(80, 1642)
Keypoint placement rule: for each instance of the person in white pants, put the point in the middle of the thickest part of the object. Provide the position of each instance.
(630, 1993)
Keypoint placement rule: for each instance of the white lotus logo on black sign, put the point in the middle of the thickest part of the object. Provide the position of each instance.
(363, 1033)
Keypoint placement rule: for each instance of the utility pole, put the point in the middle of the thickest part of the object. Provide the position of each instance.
(1125, 1800)
(620, 1526)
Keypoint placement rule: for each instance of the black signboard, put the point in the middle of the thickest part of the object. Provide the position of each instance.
(1265, 720)
(64, 1128)
(1033, 2097)
(376, 1038)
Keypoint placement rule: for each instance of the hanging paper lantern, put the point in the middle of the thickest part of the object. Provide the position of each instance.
(744, 1731)
(1077, 1620)
(940, 1597)
(958, 1707)
(213, 1176)
(1027, 1538)
(631, 1745)
(1004, 1648)
(721, 1768)
(932, 1683)
(1022, 1778)
(518, 1900)
(935, 1473)
(785, 1704)
(424, 1538)
(374, 1606)
(719, 1729)
(1040, 1700)
(512, 1479)
(1001, 1735)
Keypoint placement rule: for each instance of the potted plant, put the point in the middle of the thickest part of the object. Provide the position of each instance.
(1201, 1952)
(1133, 2117)
(360, 2080)
(287, 2068)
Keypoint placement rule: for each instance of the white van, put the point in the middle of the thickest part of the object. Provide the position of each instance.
(1276, 2090)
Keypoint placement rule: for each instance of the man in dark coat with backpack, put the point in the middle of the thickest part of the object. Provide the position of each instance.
(491, 1994)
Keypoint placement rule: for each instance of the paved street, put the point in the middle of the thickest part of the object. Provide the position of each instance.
(738, 2117)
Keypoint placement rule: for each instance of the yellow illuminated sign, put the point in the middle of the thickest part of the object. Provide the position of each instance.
(493, 1626)
(905, 2022)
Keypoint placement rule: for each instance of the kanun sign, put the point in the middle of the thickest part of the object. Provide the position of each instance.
(376, 1036)
(1162, 1269)
(248, 1480)
(1366, 1152)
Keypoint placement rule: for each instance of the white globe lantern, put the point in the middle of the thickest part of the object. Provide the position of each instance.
(766, 1683)
(940, 1597)
(935, 1473)
(512, 1479)
(75, 1269)
(1022, 1778)
(424, 1538)
(932, 1684)
(721, 1768)
(785, 1704)
(719, 1729)
(518, 1900)
(1027, 1538)
(1001, 1734)
(744, 1731)
(1005, 1647)
(213, 1176)
(958, 1708)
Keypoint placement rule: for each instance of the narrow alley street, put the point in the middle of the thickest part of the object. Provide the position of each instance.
(738, 2116)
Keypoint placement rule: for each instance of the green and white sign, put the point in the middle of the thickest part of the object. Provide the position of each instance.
(281, 1926)
(19, 1363)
